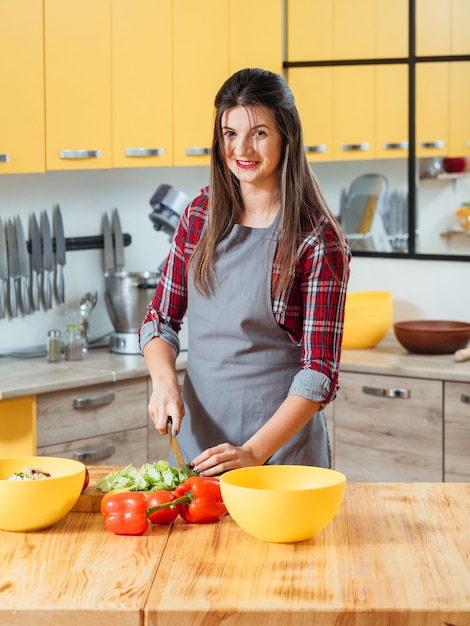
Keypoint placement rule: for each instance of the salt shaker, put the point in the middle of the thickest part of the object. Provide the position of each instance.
(54, 346)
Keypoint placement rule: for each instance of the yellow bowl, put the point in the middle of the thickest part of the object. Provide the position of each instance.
(368, 318)
(282, 503)
(36, 504)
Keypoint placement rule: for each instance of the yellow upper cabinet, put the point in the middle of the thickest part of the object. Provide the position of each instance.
(18, 426)
(78, 84)
(442, 27)
(255, 35)
(459, 107)
(432, 109)
(391, 111)
(200, 66)
(21, 87)
(341, 29)
(142, 98)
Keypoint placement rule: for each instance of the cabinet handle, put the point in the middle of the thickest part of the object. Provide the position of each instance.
(86, 403)
(432, 144)
(320, 148)
(94, 454)
(386, 393)
(465, 398)
(4, 158)
(197, 151)
(468, 144)
(355, 147)
(143, 152)
(80, 154)
(401, 145)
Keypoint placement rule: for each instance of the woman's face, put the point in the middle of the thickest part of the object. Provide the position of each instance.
(253, 146)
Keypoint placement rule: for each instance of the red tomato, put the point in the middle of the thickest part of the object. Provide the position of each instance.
(87, 479)
(165, 515)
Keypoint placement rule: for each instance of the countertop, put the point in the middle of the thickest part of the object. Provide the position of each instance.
(396, 554)
(21, 376)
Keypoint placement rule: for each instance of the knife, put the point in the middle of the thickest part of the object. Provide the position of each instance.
(3, 269)
(13, 268)
(47, 260)
(118, 244)
(23, 263)
(108, 254)
(174, 444)
(36, 262)
(59, 254)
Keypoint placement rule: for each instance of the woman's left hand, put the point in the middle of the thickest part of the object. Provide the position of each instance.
(223, 457)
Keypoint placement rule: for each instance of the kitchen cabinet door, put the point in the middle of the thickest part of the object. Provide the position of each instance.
(354, 112)
(442, 27)
(78, 84)
(457, 432)
(200, 66)
(313, 92)
(18, 426)
(251, 45)
(432, 109)
(391, 133)
(142, 96)
(389, 428)
(309, 30)
(22, 87)
(459, 107)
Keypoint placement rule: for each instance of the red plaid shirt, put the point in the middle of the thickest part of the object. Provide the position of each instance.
(310, 309)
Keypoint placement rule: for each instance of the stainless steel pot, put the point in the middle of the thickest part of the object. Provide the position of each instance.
(127, 295)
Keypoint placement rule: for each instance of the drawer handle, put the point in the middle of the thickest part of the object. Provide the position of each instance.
(197, 151)
(143, 152)
(4, 158)
(465, 398)
(432, 144)
(94, 454)
(320, 148)
(401, 145)
(80, 154)
(355, 147)
(86, 403)
(387, 393)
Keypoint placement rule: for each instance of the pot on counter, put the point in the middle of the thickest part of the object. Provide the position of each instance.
(127, 295)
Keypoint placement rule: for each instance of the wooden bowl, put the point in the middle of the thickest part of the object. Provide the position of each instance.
(432, 336)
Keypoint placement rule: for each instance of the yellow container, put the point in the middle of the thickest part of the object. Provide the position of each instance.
(282, 503)
(463, 215)
(36, 504)
(367, 320)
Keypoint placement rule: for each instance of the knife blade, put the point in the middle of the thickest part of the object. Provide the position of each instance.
(3, 269)
(59, 254)
(13, 268)
(118, 244)
(36, 262)
(23, 262)
(47, 261)
(108, 254)
(174, 443)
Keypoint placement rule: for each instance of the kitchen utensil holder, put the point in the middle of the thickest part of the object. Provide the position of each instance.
(94, 242)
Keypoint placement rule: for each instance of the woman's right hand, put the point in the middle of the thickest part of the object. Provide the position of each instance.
(165, 401)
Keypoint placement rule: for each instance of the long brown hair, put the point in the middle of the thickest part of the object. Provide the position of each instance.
(301, 200)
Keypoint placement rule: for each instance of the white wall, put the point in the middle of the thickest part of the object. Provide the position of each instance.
(431, 289)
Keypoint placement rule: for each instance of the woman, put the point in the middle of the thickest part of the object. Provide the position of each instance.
(260, 265)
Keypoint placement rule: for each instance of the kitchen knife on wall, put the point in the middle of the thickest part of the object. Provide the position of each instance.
(3, 270)
(108, 253)
(36, 262)
(13, 269)
(118, 242)
(47, 261)
(59, 254)
(23, 262)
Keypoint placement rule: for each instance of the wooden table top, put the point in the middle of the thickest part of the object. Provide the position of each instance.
(396, 554)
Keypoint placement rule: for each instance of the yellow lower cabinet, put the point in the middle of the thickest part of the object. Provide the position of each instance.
(18, 426)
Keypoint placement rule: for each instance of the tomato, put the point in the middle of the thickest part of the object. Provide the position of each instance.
(165, 515)
(87, 479)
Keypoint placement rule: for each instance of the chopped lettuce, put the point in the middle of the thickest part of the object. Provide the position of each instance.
(150, 477)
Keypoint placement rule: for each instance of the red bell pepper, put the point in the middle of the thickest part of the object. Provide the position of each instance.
(201, 500)
(125, 513)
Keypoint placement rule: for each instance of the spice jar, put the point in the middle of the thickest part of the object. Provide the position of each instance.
(73, 343)
(54, 346)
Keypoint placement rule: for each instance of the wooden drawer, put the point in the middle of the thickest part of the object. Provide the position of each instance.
(396, 438)
(457, 432)
(128, 446)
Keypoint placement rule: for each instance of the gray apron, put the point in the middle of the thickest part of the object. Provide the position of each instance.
(240, 362)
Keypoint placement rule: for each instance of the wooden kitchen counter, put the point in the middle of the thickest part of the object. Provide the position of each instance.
(396, 554)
